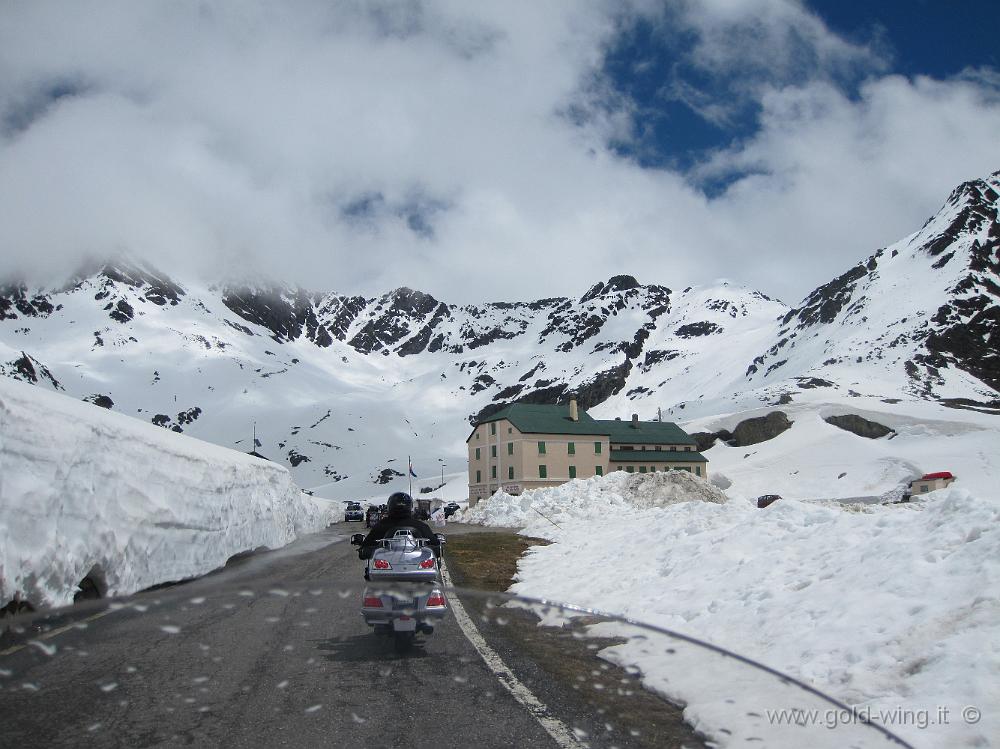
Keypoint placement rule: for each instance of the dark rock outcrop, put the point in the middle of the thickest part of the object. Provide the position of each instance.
(760, 429)
(104, 401)
(858, 425)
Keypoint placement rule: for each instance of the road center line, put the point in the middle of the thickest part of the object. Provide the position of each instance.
(58, 631)
(558, 730)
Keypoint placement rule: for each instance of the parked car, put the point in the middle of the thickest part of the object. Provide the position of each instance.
(451, 508)
(353, 511)
(767, 499)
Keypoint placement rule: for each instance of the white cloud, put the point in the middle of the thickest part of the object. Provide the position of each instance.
(363, 146)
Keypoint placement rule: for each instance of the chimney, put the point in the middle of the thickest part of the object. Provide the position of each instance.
(635, 421)
(573, 413)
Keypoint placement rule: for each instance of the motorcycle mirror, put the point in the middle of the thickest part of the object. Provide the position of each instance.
(357, 538)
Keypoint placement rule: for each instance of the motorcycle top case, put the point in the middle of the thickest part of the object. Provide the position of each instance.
(407, 560)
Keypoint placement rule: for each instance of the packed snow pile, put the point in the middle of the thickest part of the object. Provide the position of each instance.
(86, 491)
(599, 497)
(891, 609)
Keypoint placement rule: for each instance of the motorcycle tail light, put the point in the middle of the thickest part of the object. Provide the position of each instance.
(372, 602)
(381, 564)
(427, 564)
(435, 600)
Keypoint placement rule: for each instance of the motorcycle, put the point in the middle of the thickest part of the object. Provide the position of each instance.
(403, 597)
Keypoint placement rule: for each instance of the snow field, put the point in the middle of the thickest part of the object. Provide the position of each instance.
(82, 487)
(897, 607)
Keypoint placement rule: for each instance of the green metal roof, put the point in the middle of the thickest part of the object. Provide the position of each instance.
(533, 418)
(637, 457)
(646, 433)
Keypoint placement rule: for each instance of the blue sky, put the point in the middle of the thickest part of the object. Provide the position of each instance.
(488, 151)
(908, 37)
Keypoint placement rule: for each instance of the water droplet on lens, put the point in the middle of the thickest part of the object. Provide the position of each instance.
(170, 629)
(282, 684)
(110, 687)
(357, 719)
(49, 650)
(314, 708)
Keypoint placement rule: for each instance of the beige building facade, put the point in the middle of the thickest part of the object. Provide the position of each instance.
(528, 446)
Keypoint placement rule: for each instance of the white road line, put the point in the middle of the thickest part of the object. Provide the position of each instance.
(558, 730)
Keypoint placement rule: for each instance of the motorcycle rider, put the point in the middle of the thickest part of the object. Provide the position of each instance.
(399, 514)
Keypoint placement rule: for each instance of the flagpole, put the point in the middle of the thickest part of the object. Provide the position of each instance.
(409, 474)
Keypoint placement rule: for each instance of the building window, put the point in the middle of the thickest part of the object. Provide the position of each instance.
(643, 448)
(510, 472)
(697, 470)
(687, 448)
(625, 447)
(477, 434)
(630, 469)
(493, 427)
(543, 472)
(598, 470)
(510, 448)
(510, 430)
(493, 472)
(597, 448)
(642, 469)
(477, 453)
(541, 448)
(493, 451)
(479, 477)
(924, 488)
(571, 448)
(658, 448)
(572, 472)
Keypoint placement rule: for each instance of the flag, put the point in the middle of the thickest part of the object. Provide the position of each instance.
(411, 470)
(256, 442)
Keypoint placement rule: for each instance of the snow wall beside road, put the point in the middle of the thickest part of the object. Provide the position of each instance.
(81, 487)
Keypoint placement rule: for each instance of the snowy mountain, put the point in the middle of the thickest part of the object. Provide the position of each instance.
(341, 386)
(924, 313)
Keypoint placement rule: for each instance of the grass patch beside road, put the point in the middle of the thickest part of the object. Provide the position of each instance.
(560, 664)
(486, 561)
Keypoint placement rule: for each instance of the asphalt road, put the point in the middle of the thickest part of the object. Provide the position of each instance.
(269, 652)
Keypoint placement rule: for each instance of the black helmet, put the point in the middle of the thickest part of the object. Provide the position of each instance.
(400, 505)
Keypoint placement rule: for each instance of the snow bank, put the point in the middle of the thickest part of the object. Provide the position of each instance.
(897, 608)
(82, 487)
(539, 511)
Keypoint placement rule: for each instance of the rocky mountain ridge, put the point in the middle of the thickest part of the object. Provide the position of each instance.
(344, 384)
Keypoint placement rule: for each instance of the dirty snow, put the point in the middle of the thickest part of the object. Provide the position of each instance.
(81, 487)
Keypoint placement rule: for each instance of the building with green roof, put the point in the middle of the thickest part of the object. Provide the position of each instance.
(529, 445)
